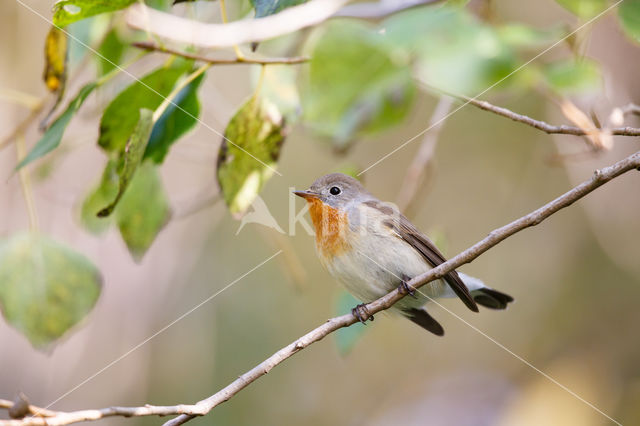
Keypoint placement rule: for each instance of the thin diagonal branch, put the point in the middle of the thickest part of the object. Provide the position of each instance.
(187, 412)
(546, 127)
(413, 178)
(213, 61)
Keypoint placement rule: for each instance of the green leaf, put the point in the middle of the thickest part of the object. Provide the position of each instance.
(629, 13)
(346, 338)
(452, 50)
(249, 152)
(52, 137)
(179, 117)
(143, 210)
(101, 195)
(584, 9)
(45, 287)
(355, 84)
(121, 115)
(269, 7)
(68, 11)
(571, 76)
(111, 50)
(524, 36)
(132, 157)
(279, 87)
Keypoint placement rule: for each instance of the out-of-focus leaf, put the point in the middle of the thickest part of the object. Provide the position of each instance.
(269, 7)
(349, 169)
(279, 87)
(143, 210)
(52, 137)
(584, 9)
(121, 116)
(355, 84)
(256, 133)
(346, 338)
(111, 50)
(524, 36)
(55, 53)
(68, 11)
(454, 52)
(45, 287)
(100, 196)
(179, 117)
(629, 13)
(132, 157)
(570, 76)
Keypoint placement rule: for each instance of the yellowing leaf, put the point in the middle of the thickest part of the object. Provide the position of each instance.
(256, 133)
(45, 287)
(55, 53)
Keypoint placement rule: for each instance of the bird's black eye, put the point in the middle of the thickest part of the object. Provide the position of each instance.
(334, 190)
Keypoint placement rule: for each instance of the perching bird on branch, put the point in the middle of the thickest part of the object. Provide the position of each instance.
(371, 248)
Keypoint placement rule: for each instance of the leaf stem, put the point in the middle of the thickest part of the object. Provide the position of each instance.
(223, 11)
(108, 76)
(25, 183)
(181, 85)
(260, 81)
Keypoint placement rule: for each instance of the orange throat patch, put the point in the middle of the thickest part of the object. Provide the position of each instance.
(331, 227)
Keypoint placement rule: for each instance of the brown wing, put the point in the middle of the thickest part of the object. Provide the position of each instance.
(427, 249)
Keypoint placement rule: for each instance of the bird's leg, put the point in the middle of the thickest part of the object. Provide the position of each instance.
(404, 287)
(362, 313)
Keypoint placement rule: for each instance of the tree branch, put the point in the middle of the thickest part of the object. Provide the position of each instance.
(208, 35)
(187, 412)
(413, 177)
(546, 127)
(212, 61)
(379, 9)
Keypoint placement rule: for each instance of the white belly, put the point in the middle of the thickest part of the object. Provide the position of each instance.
(376, 264)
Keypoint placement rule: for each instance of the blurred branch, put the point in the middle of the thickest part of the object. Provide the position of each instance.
(21, 128)
(212, 61)
(546, 127)
(379, 9)
(202, 34)
(414, 176)
(188, 412)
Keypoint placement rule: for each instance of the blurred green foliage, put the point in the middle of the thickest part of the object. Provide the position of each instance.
(143, 210)
(355, 85)
(45, 287)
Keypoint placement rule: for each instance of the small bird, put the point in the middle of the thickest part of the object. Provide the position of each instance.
(372, 249)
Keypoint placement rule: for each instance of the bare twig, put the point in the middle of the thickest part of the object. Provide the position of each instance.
(202, 34)
(213, 61)
(23, 126)
(546, 127)
(31, 409)
(187, 412)
(379, 9)
(413, 178)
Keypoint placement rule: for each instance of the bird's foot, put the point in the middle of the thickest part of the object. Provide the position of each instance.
(362, 313)
(404, 288)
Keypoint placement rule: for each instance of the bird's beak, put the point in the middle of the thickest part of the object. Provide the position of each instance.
(307, 195)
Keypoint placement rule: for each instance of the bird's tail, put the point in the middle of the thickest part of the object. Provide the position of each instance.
(485, 296)
(424, 320)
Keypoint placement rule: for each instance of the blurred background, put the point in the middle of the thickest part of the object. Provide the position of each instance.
(575, 277)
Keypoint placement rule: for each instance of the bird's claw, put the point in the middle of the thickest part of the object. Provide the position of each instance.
(362, 313)
(404, 288)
